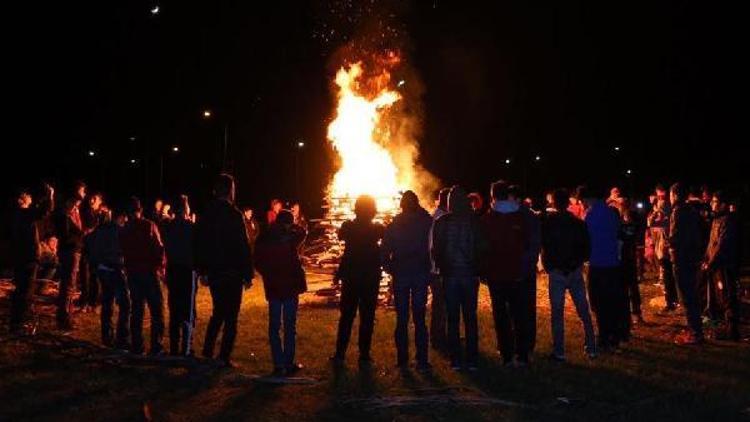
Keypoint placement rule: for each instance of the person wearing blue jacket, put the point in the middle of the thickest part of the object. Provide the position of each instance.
(607, 291)
(406, 256)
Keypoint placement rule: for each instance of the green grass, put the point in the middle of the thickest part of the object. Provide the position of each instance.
(652, 379)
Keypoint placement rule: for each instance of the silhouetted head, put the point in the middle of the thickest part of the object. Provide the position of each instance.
(409, 201)
(365, 208)
(224, 187)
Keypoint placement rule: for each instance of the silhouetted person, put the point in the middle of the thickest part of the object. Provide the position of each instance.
(565, 249)
(144, 262)
(276, 206)
(359, 273)
(89, 285)
(658, 223)
(223, 257)
(277, 260)
(251, 225)
(629, 234)
(69, 230)
(505, 268)
(456, 250)
(406, 256)
(606, 288)
(685, 243)
(26, 252)
(722, 264)
(438, 333)
(106, 256)
(182, 283)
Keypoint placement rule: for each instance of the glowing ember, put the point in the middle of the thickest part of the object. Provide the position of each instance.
(360, 138)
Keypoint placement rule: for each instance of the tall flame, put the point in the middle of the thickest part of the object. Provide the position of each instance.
(360, 138)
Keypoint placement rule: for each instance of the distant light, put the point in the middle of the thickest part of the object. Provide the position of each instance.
(132, 138)
(133, 161)
(639, 205)
(629, 171)
(401, 83)
(92, 153)
(617, 149)
(206, 113)
(507, 161)
(537, 158)
(155, 10)
(175, 149)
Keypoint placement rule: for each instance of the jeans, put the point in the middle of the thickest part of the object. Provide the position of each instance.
(286, 309)
(509, 310)
(630, 277)
(610, 305)
(181, 287)
(461, 295)
(356, 295)
(24, 277)
(145, 290)
(69, 265)
(114, 289)
(686, 276)
(411, 290)
(438, 334)
(226, 297)
(88, 283)
(559, 283)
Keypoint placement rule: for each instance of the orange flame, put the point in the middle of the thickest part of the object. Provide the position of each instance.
(360, 138)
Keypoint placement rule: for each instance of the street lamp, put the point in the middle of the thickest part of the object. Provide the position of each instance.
(617, 149)
(297, 152)
(175, 149)
(207, 114)
(92, 153)
(538, 158)
(507, 161)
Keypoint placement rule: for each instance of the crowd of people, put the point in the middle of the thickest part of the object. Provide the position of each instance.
(591, 246)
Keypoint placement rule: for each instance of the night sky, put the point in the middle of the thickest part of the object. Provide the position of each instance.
(567, 81)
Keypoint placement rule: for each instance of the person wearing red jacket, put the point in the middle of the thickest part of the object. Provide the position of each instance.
(277, 260)
(144, 262)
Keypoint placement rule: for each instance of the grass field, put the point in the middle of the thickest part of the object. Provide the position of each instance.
(50, 376)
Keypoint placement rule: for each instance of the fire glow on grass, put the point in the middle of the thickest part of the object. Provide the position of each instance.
(361, 138)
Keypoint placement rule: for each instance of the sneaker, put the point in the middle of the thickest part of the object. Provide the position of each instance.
(556, 358)
(294, 368)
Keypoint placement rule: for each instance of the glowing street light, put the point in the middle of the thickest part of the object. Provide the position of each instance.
(617, 149)
(538, 158)
(300, 144)
(206, 113)
(133, 161)
(155, 10)
(175, 149)
(507, 161)
(628, 172)
(92, 153)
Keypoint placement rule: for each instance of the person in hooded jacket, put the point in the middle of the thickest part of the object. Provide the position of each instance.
(26, 252)
(406, 257)
(509, 234)
(278, 262)
(457, 246)
(360, 272)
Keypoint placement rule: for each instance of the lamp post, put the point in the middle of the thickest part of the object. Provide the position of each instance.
(207, 115)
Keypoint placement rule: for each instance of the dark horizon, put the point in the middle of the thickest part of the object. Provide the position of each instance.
(568, 82)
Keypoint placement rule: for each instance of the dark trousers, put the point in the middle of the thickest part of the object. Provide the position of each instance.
(708, 296)
(411, 291)
(670, 287)
(69, 265)
(528, 288)
(438, 333)
(509, 310)
(226, 297)
(145, 290)
(181, 288)
(609, 302)
(461, 295)
(286, 310)
(24, 277)
(88, 283)
(115, 290)
(726, 285)
(686, 277)
(356, 295)
(630, 277)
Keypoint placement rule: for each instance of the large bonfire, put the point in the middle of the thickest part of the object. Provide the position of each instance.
(362, 137)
